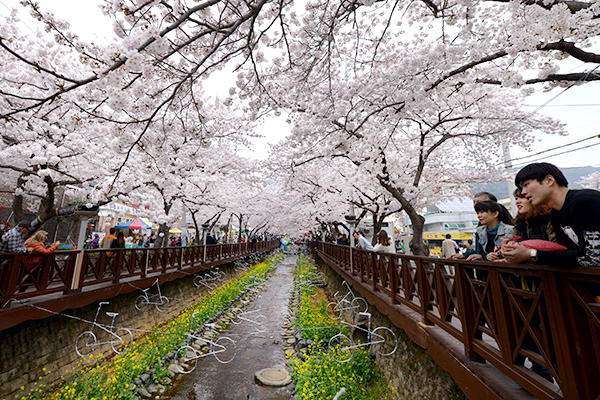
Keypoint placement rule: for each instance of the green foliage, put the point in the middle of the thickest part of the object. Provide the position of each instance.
(160, 373)
(311, 317)
(318, 375)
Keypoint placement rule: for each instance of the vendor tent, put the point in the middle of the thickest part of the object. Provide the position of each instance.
(147, 221)
(135, 224)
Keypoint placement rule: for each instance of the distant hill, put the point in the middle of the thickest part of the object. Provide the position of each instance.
(573, 175)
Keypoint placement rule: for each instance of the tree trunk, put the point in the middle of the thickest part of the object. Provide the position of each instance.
(377, 223)
(240, 219)
(417, 246)
(162, 241)
(198, 237)
(212, 224)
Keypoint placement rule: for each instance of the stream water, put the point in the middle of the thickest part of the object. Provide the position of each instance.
(212, 380)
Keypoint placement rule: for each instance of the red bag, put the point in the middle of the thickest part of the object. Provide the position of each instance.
(539, 244)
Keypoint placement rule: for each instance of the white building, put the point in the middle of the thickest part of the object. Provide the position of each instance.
(451, 216)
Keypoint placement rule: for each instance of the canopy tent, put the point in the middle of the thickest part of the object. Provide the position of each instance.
(135, 224)
(147, 221)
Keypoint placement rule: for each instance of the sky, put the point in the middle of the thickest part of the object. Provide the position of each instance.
(578, 106)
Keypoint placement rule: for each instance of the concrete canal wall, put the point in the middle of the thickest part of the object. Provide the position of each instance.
(46, 347)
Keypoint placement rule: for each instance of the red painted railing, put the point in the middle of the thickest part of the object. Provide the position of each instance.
(555, 323)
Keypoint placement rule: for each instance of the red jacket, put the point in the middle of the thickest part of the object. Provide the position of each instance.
(40, 248)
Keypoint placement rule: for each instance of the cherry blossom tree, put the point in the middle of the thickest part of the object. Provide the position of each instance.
(331, 189)
(108, 97)
(591, 181)
(41, 152)
(403, 131)
(418, 95)
(412, 94)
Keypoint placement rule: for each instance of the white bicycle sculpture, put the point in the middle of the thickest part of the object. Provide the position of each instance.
(147, 299)
(187, 356)
(256, 321)
(382, 340)
(348, 302)
(119, 340)
(209, 279)
(309, 283)
(241, 266)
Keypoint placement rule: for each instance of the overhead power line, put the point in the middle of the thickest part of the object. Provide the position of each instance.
(565, 89)
(561, 105)
(554, 148)
(20, 19)
(557, 154)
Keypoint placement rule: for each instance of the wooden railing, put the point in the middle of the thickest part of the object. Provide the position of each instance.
(556, 323)
(25, 277)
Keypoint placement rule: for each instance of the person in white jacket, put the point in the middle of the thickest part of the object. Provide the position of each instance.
(384, 243)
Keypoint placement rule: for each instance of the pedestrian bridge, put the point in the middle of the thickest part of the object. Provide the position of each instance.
(72, 279)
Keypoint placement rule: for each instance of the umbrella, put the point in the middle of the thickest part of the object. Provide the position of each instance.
(175, 230)
(135, 224)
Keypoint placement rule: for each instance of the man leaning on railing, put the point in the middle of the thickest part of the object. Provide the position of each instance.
(362, 242)
(13, 241)
(575, 218)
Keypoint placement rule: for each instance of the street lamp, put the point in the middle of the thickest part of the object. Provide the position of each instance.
(204, 232)
(351, 221)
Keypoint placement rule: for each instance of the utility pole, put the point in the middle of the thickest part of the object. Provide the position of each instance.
(510, 182)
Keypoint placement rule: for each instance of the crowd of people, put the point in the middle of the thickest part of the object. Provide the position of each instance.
(554, 225)
(384, 243)
(132, 240)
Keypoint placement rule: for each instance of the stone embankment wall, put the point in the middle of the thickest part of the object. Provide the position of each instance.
(46, 348)
(410, 370)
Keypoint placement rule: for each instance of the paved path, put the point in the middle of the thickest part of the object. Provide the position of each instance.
(255, 351)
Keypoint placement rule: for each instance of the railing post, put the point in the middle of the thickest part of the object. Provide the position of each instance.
(394, 281)
(424, 291)
(76, 281)
(574, 336)
(8, 284)
(47, 263)
(466, 306)
(503, 320)
(375, 269)
(165, 259)
(118, 264)
(145, 266)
